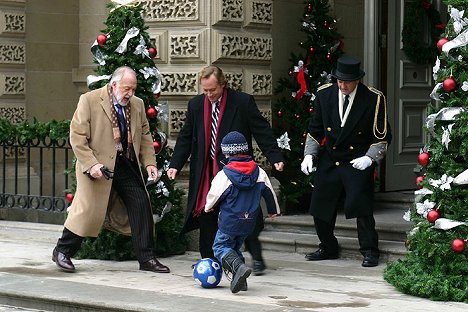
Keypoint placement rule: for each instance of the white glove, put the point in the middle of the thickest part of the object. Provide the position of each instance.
(307, 165)
(361, 163)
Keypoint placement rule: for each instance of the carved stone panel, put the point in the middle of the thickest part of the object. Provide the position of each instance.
(235, 80)
(260, 158)
(258, 82)
(12, 52)
(242, 47)
(179, 83)
(12, 22)
(176, 120)
(187, 47)
(259, 13)
(228, 12)
(171, 10)
(12, 84)
(14, 113)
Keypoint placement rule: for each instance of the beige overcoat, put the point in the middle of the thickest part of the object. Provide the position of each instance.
(94, 205)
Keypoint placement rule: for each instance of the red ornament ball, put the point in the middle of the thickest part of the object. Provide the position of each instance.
(311, 109)
(152, 52)
(312, 50)
(101, 40)
(458, 245)
(449, 84)
(418, 181)
(279, 114)
(441, 43)
(326, 24)
(152, 112)
(298, 116)
(69, 197)
(309, 8)
(157, 146)
(423, 159)
(291, 72)
(433, 215)
(328, 57)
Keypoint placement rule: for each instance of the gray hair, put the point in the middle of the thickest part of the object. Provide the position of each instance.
(120, 72)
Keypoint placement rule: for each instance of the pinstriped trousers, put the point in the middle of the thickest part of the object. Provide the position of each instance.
(128, 183)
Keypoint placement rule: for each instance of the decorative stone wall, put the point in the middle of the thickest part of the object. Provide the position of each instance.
(191, 34)
(12, 60)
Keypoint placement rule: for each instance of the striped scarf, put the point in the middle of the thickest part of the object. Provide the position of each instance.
(116, 130)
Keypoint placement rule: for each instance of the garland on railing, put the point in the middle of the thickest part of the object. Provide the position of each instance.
(35, 130)
(414, 31)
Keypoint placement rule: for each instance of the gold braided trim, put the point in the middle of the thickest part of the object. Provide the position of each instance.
(377, 133)
(324, 86)
(308, 135)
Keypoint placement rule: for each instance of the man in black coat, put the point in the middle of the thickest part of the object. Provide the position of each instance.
(352, 118)
(200, 139)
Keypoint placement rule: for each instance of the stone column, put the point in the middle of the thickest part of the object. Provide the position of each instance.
(13, 60)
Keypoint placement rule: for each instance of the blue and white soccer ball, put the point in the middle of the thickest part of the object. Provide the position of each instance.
(207, 273)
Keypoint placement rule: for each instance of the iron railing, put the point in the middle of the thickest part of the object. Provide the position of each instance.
(34, 174)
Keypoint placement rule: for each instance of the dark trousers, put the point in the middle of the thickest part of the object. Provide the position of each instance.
(367, 235)
(252, 243)
(209, 226)
(128, 183)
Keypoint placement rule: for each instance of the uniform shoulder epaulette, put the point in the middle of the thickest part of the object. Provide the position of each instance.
(378, 92)
(324, 86)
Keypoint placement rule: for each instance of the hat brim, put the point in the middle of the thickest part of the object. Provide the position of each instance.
(347, 77)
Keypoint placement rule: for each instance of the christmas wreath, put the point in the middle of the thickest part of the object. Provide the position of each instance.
(415, 48)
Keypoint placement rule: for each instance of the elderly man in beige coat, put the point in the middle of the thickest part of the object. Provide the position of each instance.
(111, 139)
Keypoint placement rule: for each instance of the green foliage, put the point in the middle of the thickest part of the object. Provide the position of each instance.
(168, 241)
(26, 131)
(434, 281)
(432, 268)
(322, 47)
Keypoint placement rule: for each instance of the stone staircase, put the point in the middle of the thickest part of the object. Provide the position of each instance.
(296, 233)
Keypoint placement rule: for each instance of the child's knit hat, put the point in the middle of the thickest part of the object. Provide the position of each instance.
(234, 143)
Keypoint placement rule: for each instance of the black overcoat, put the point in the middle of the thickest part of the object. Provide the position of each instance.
(241, 114)
(335, 176)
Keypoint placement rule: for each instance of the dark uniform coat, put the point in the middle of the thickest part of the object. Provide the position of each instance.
(241, 114)
(366, 125)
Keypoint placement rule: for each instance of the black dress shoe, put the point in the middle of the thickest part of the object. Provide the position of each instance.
(259, 267)
(62, 261)
(370, 261)
(155, 266)
(320, 254)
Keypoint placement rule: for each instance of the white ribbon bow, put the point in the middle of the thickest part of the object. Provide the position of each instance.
(132, 32)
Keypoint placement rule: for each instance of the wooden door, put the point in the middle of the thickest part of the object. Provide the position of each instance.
(408, 88)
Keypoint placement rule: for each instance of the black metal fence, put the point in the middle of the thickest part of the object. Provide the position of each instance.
(33, 174)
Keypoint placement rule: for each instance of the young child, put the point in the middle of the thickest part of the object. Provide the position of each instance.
(237, 191)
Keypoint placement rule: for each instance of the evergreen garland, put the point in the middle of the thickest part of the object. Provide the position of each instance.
(413, 33)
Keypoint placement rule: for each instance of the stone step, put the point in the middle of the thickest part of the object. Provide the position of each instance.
(296, 233)
(349, 247)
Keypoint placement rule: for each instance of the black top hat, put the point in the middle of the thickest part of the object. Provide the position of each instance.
(348, 69)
